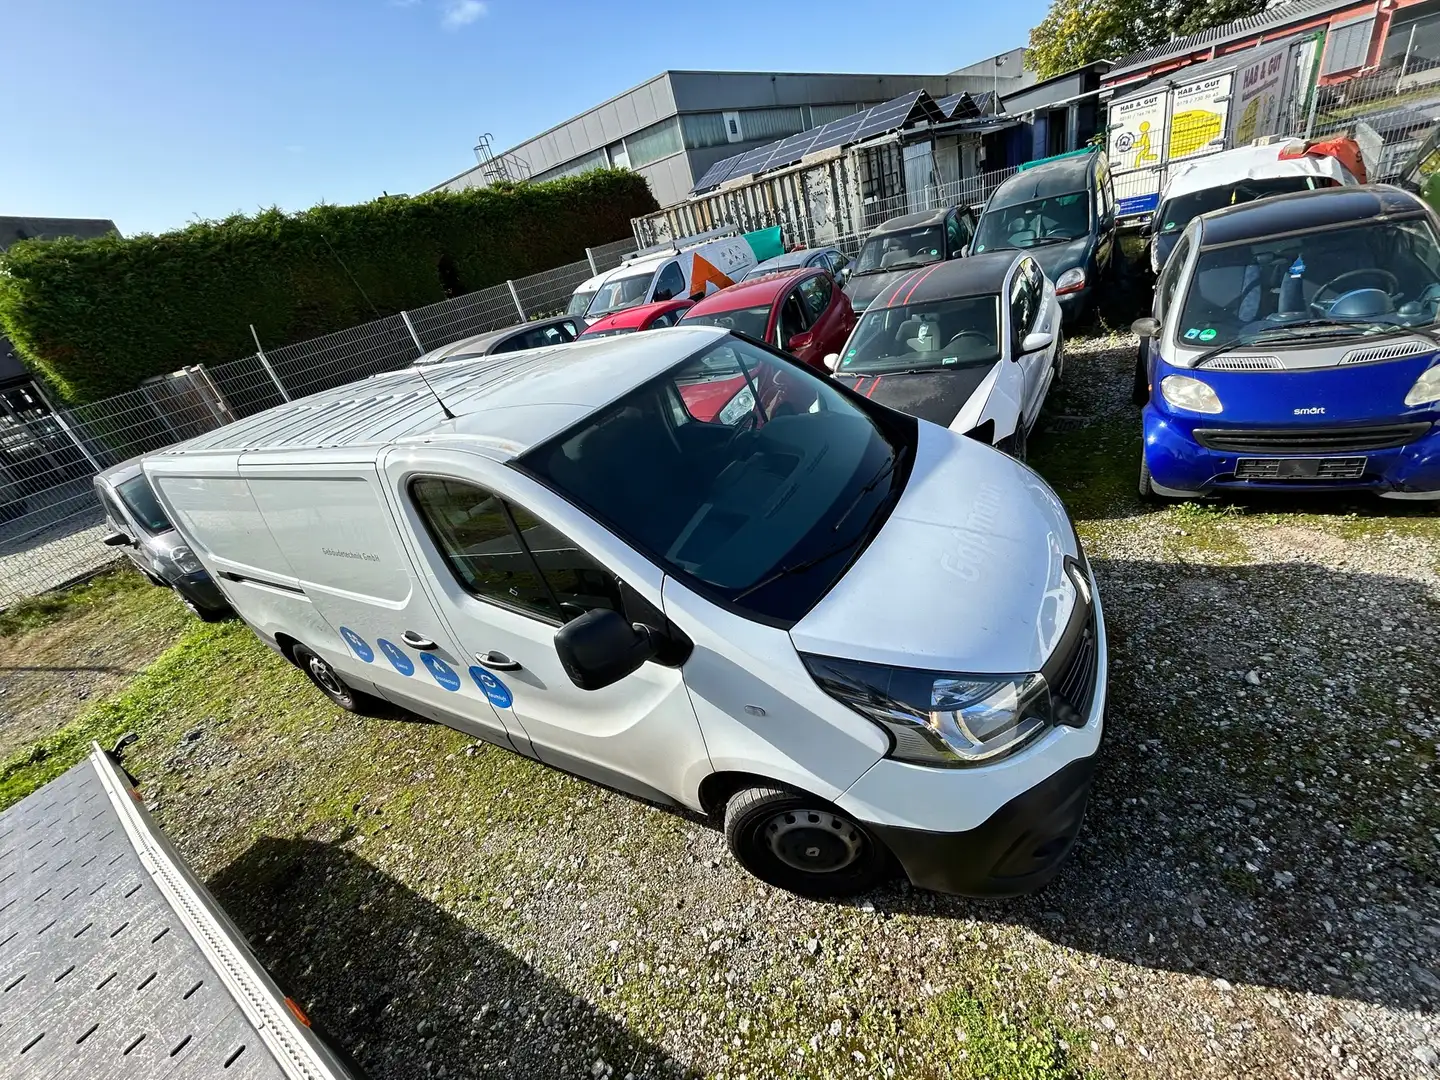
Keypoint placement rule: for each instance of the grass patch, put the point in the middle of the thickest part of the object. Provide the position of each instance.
(116, 586)
(1206, 532)
(985, 1040)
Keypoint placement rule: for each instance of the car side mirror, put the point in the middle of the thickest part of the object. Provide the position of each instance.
(116, 539)
(962, 253)
(832, 361)
(800, 341)
(844, 274)
(1145, 328)
(1036, 341)
(1148, 229)
(600, 648)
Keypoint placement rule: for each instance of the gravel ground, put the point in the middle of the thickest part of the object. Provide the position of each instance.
(1254, 893)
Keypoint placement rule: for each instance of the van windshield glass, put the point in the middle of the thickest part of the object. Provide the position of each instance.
(139, 499)
(742, 473)
(1371, 277)
(903, 250)
(1053, 220)
(620, 293)
(955, 333)
(579, 303)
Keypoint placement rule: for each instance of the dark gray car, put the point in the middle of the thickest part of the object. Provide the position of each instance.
(139, 526)
(904, 244)
(531, 335)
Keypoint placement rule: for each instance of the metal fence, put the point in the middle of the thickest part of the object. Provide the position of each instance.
(50, 521)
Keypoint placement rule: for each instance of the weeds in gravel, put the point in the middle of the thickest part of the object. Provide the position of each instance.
(985, 1040)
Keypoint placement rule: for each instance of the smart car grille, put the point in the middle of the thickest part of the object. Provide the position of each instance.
(1309, 440)
(1387, 352)
(1337, 468)
(1243, 363)
(1076, 682)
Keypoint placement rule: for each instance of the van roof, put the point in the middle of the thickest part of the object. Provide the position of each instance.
(503, 404)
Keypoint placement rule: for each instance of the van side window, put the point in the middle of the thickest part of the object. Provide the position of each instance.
(112, 512)
(671, 283)
(504, 554)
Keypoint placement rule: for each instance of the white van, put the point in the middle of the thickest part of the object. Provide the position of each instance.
(688, 269)
(685, 566)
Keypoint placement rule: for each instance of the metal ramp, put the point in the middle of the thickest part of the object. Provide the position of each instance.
(115, 961)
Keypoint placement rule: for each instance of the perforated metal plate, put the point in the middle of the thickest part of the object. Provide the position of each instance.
(102, 975)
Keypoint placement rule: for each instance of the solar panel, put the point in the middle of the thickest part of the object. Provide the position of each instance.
(791, 150)
(947, 104)
(838, 132)
(962, 107)
(717, 174)
(755, 159)
(887, 116)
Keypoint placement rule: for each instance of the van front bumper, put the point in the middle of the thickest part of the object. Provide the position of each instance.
(1017, 850)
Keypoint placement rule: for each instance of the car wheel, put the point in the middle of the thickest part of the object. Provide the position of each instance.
(1059, 356)
(1146, 485)
(329, 683)
(802, 844)
(1016, 444)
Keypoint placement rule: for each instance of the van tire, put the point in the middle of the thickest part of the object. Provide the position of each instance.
(757, 820)
(320, 673)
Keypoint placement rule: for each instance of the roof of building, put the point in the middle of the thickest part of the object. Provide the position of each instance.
(752, 292)
(1281, 15)
(15, 229)
(1306, 210)
(633, 318)
(502, 404)
(976, 275)
(480, 344)
(1063, 176)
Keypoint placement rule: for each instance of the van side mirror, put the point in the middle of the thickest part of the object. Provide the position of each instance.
(600, 648)
(832, 361)
(1034, 342)
(1145, 328)
(116, 539)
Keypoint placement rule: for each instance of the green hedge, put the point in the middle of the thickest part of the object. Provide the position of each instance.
(95, 317)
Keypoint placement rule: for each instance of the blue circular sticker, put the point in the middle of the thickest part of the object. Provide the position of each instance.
(358, 645)
(396, 655)
(443, 672)
(492, 688)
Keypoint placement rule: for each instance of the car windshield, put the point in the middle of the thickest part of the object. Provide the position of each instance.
(747, 476)
(621, 293)
(954, 333)
(1373, 277)
(773, 266)
(579, 303)
(1178, 212)
(139, 499)
(1053, 220)
(750, 321)
(902, 250)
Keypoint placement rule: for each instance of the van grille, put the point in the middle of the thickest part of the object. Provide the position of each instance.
(1309, 440)
(1076, 682)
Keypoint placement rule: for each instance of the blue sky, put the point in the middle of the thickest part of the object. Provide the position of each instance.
(155, 112)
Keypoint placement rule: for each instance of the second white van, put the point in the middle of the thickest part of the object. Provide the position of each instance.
(685, 566)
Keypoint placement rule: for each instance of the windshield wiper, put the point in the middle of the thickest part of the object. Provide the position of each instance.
(1277, 334)
(839, 549)
(910, 265)
(1052, 240)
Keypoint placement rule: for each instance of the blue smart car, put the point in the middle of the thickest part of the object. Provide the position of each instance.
(1294, 346)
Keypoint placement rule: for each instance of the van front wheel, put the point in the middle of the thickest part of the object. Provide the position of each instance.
(800, 843)
(328, 681)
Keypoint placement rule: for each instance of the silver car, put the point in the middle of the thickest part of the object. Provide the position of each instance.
(138, 525)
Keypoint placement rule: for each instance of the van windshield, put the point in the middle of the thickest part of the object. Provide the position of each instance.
(620, 293)
(1053, 220)
(579, 303)
(139, 499)
(742, 473)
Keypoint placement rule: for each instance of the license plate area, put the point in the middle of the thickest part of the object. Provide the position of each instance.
(1306, 468)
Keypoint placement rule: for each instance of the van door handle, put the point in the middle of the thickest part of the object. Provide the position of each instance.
(496, 661)
(415, 641)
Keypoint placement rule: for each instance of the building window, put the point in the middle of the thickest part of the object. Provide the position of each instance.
(595, 159)
(1349, 45)
(654, 142)
(705, 129)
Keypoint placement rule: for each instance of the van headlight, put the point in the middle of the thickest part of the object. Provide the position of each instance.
(1071, 280)
(1183, 392)
(1426, 388)
(940, 719)
(185, 560)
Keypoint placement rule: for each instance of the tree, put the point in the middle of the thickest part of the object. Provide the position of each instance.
(1077, 32)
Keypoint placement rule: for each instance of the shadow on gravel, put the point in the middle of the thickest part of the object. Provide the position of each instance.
(1267, 808)
(402, 985)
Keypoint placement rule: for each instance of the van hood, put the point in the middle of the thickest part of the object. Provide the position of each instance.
(1055, 259)
(967, 574)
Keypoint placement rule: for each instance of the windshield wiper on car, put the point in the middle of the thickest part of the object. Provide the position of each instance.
(1037, 241)
(839, 549)
(909, 264)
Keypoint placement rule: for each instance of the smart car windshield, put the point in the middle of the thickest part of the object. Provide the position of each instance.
(953, 333)
(749, 321)
(1373, 277)
(742, 473)
(1179, 211)
(139, 499)
(1053, 220)
(621, 293)
(902, 250)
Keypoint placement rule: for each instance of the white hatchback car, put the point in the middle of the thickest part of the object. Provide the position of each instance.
(683, 565)
(972, 345)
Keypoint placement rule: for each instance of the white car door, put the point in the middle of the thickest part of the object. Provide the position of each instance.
(1033, 308)
(506, 579)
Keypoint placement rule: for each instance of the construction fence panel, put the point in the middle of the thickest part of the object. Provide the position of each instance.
(324, 363)
(609, 256)
(548, 293)
(246, 386)
(464, 316)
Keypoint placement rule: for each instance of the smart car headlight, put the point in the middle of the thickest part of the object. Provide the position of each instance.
(1071, 280)
(1426, 388)
(1183, 392)
(940, 719)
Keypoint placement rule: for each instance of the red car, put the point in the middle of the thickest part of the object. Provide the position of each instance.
(644, 317)
(800, 311)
